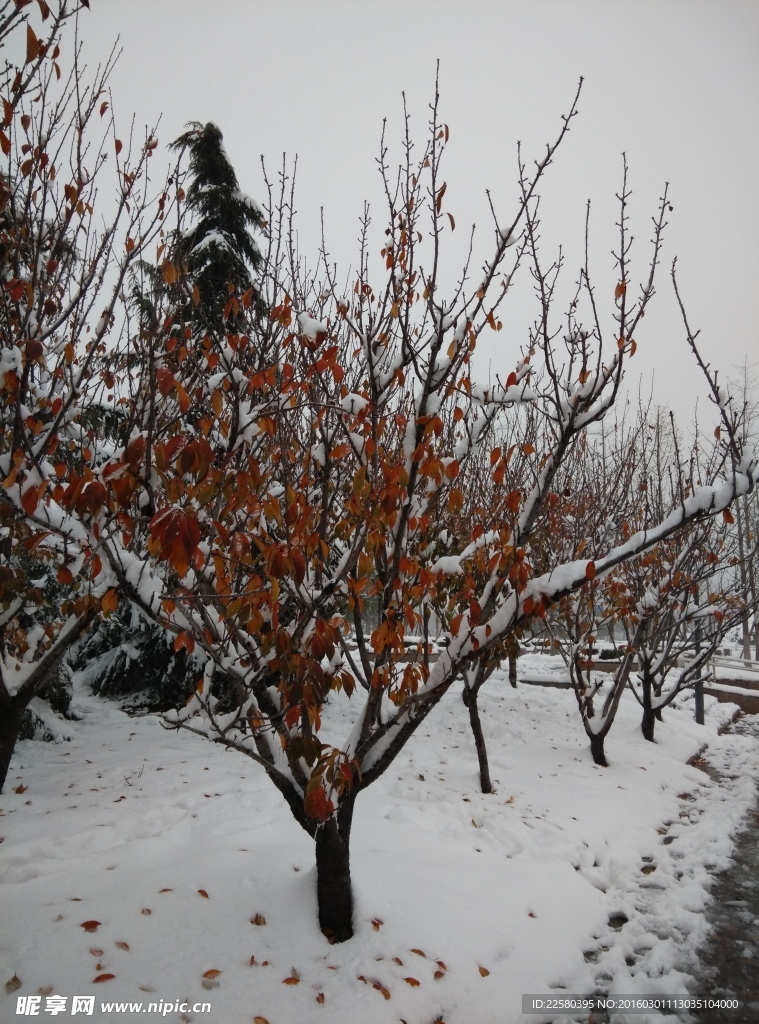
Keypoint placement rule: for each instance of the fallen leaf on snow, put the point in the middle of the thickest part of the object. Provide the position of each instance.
(258, 919)
(122, 945)
(320, 997)
(103, 977)
(146, 910)
(294, 978)
(213, 973)
(13, 984)
(412, 982)
(96, 952)
(204, 894)
(484, 972)
(90, 926)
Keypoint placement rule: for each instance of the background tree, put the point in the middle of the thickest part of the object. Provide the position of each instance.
(217, 246)
(63, 265)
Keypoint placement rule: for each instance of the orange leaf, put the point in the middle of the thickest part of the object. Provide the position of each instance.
(103, 977)
(438, 975)
(30, 500)
(590, 571)
(213, 973)
(90, 926)
(182, 397)
(381, 988)
(484, 972)
(109, 601)
(259, 919)
(377, 923)
(528, 449)
(412, 982)
(169, 272)
(727, 515)
(320, 997)
(203, 893)
(164, 379)
(65, 575)
(620, 290)
(96, 567)
(419, 952)
(294, 978)
(260, 1020)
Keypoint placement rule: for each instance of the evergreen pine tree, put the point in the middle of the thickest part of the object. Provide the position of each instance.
(219, 250)
(126, 654)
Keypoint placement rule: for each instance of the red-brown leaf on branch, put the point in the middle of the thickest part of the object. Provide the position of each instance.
(590, 571)
(184, 640)
(174, 537)
(32, 45)
(164, 380)
(727, 515)
(30, 500)
(134, 452)
(316, 804)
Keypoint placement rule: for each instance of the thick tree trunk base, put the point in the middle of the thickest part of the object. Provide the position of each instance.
(597, 750)
(648, 724)
(10, 723)
(333, 878)
(479, 742)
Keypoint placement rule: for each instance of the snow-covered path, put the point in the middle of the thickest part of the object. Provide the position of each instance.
(463, 901)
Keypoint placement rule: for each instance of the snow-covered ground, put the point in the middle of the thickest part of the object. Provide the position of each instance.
(463, 902)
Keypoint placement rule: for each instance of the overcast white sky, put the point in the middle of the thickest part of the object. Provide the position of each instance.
(672, 83)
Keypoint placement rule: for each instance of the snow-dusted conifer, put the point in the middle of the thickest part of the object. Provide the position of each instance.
(218, 248)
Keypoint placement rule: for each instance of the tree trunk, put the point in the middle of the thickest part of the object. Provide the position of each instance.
(333, 874)
(513, 669)
(10, 723)
(597, 749)
(647, 725)
(479, 742)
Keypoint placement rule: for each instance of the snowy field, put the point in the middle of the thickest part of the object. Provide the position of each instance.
(172, 848)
